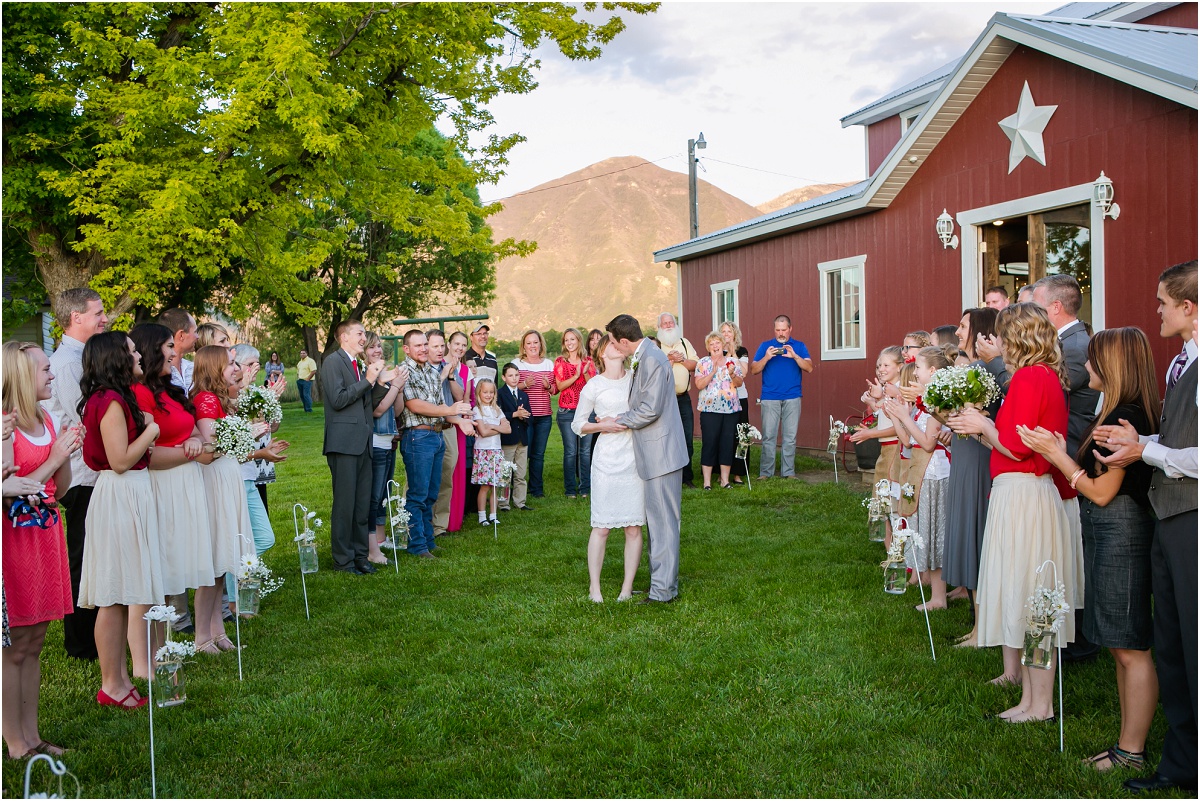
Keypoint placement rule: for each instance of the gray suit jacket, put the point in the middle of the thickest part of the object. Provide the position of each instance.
(1081, 401)
(658, 442)
(348, 418)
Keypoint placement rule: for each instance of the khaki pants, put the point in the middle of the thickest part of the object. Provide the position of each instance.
(518, 455)
(441, 510)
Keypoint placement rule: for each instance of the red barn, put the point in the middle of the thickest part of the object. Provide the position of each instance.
(1012, 142)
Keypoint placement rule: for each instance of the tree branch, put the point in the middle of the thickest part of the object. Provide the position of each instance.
(362, 26)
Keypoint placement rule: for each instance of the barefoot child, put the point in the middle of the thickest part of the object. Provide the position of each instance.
(887, 374)
(929, 518)
(490, 423)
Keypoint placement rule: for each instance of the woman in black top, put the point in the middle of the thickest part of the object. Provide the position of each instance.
(1118, 526)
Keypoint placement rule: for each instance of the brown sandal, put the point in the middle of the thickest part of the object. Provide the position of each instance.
(50, 749)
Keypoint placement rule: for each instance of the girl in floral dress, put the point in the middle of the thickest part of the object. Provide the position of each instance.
(486, 471)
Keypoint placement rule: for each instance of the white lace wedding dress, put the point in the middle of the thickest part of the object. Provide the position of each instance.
(618, 494)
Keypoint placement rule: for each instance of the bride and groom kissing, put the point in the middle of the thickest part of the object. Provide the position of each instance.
(637, 467)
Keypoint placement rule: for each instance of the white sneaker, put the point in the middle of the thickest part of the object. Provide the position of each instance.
(391, 546)
(483, 521)
(494, 520)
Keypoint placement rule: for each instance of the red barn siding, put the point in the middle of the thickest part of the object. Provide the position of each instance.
(1182, 15)
(1146, 144)
(882, 136)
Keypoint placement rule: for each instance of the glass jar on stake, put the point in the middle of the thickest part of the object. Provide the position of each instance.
(895, 572)
(1047, 610)
(877, 512)
(169, 686)
(249, 596)
(1039, 645)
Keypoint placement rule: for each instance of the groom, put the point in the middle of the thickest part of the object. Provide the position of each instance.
(658, 447)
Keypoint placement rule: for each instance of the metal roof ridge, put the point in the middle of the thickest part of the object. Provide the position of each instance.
(935, 76)
(1103, 23)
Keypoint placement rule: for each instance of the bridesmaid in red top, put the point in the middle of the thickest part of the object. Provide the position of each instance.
(231, 535)
(37, 578)
(185, 543)
(572, 370)
(121, 572)
(1026, 521)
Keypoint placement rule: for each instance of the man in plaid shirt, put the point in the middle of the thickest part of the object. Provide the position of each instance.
(421, 443)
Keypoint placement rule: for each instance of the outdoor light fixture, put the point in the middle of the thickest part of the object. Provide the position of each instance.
(945, 230)
(1102, 196)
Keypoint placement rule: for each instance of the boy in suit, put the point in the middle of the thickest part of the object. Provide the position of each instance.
(515, 405)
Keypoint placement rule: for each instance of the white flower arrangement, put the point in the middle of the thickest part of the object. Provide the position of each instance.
(900, 539)
(308, 535)
(1048, 608)
(175, 651)
(837, 430)
(401, 516)
(953, 388)
(876, 507)
(256, 402)
(232, 436)
(883, 488)
(908, 491)
(162, 614)
(507, 469)
(251, 568)
(748, 434)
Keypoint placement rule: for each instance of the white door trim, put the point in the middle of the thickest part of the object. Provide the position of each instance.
(972, 268)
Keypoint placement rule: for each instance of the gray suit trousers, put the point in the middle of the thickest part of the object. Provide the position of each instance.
(664, 496)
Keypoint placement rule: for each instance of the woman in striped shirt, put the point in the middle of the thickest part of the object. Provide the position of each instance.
(537, 379)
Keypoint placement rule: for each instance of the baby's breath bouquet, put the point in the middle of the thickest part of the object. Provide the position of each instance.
(952, 389)
(175, 651)
(256, 402)
(400, 516)
(1048, 608)
(251, 568)
(747, 435)
(308, 535)
(232, 436)
(837, 430)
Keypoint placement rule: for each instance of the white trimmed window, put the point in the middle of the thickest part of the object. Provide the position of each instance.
(724, 303)
(843, 330)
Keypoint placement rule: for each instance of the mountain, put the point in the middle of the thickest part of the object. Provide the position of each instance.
(801, 195)
(597, 230)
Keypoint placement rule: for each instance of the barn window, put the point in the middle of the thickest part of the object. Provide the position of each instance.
(843, 335)
(724, 303)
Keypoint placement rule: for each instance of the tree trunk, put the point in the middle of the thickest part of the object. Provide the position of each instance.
(61, 268)
(309, 334)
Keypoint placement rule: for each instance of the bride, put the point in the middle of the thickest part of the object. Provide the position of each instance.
(618, 496)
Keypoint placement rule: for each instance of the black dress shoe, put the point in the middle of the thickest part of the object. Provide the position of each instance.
(525, 508)
(689, 485)
(364, 567)
(649, 600)
(351, 569)
(1156, 782)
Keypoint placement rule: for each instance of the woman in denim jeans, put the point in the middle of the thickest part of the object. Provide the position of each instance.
(384, 398)
(571, 372)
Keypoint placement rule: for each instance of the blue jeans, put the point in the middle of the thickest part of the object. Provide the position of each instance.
(383, 467)
(780, 420)
(539, 435)
(305, 388)
(577, 456)
(422, 452)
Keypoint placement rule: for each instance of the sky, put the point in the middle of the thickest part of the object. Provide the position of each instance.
(766, 83)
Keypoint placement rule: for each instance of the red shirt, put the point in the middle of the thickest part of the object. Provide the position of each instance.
(93, 443)
(1034, 398)
(539, 396)
(175, 423)
(563, 370)
(208, 406)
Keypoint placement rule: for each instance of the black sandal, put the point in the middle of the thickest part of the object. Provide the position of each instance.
(1118, 758)
(707, 487)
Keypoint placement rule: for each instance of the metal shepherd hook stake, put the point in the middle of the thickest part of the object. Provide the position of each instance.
(1061, 738)
(296, 525)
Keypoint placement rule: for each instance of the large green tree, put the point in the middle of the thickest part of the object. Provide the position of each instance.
(149, 147)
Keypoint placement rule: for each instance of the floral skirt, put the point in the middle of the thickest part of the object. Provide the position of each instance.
(486, 468)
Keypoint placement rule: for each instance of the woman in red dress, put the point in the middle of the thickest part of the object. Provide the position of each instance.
(185, 541)
(37, 579)
(231, 534)
(1026, 522)
(121, 571)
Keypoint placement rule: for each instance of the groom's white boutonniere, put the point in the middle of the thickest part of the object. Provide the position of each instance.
(634, 362)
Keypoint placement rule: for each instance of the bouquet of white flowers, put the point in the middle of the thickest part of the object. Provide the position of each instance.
(175, 651)
(1048, 608)
(233, 437)
(256, 402)
(251, 568)
(837, 430)
(952, 389)
(401, 516)
(162, 614)
(307, 535)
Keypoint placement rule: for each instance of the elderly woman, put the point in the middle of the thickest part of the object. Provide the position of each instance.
(731, 335)
(259, 470)
(718, 377)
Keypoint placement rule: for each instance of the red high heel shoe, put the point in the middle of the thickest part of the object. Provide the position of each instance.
(104, 699)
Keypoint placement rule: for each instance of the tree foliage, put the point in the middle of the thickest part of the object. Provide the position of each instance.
(250, 148)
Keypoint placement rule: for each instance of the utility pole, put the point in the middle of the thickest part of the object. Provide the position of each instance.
(693, 196)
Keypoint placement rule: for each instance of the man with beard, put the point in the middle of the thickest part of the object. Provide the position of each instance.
(682, 356)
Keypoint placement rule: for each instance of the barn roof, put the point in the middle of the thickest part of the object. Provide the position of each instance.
(1156, 59)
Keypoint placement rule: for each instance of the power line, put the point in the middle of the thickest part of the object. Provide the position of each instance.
(581, 180)
(769, 172)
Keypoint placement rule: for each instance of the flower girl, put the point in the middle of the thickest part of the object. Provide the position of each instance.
(887, 374)
(487, 470)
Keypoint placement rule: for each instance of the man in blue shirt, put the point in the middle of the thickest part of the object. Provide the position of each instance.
(782, 362)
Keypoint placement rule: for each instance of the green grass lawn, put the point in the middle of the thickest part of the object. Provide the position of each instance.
(782, 670)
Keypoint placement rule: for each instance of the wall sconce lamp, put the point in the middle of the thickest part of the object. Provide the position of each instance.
(945, 230)
(1102, 196)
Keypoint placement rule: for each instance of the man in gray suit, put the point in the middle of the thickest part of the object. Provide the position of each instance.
(658, 448)
(349, 423)
(1061, 297)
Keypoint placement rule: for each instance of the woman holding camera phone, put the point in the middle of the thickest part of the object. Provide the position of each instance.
(718, 377)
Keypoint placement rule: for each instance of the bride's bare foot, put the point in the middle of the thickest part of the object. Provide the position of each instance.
(596, 597)
(625, 596)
